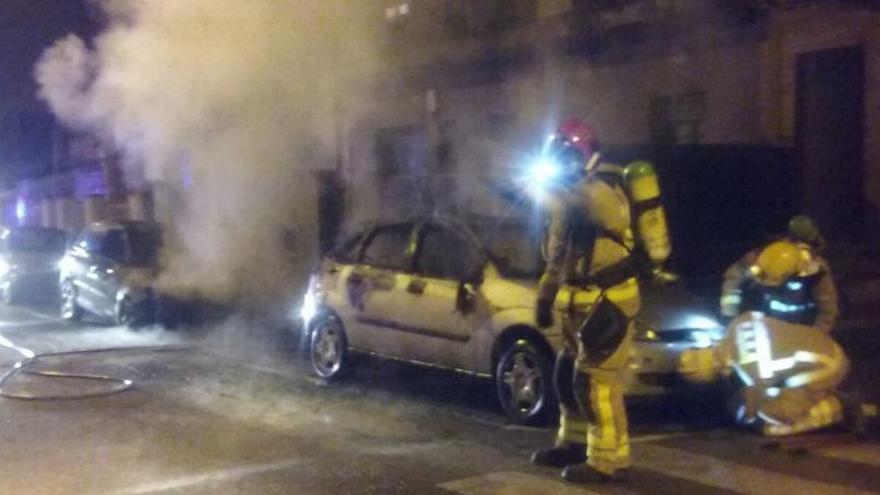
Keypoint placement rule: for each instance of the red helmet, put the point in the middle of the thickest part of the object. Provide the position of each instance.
(578, 134)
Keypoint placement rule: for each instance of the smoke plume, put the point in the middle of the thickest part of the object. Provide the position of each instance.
(224, 107)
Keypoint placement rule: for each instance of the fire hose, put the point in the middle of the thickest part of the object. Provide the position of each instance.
(22, 367)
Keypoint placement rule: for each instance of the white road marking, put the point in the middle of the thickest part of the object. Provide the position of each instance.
(862, 453)
(4, 342)
(513, 483)
(726, 475)
(211, 477)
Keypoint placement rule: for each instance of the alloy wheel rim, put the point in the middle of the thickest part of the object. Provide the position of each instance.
(125, 317)
(523, 381)
(67, 297)
(327, 352)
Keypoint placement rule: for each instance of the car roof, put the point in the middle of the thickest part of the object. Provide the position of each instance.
(437, 219)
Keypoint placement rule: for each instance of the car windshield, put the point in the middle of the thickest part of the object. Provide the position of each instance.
(514, 248)
(34, 241)
(144, 244)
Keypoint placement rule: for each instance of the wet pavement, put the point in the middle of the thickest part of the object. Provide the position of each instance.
(231, 409)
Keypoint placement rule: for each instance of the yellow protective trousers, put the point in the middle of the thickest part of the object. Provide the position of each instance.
(592, 411)
(819, 413)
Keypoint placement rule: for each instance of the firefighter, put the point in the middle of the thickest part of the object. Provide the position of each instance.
(780, 344)
(788, 374)
(589, 251)
(787, 278)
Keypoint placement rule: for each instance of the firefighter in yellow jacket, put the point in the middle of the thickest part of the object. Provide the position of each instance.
(792, 273)
(590, 264)
(780, 345)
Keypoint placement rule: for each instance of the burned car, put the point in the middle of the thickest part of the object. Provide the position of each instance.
(108, 272)
(29, 258)
(441, 293)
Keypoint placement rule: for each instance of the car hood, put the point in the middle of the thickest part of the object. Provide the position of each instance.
(672, 307)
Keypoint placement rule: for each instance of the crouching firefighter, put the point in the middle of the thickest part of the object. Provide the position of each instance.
(780, 345)
(589, 252)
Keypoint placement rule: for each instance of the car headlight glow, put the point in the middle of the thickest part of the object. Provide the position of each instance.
(700, 322)
(702, 340)
(309, 308)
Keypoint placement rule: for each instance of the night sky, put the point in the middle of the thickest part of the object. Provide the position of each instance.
(27, 27)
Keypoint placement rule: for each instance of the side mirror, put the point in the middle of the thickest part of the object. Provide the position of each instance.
(465, 297)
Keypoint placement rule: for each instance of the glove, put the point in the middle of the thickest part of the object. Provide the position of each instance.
(661, 276)
(730, 304)
(544, 313)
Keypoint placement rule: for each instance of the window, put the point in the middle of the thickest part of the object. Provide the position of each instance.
(677, 119)
(113, 246)
(396, 11)
(515, 249)
(486, 17)
(90, 241)
(348, 250)
(444, 254)
(389, 247)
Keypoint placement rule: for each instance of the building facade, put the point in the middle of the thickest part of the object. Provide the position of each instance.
(473, 86)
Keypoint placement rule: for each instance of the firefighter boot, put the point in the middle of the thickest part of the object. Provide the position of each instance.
(560, 456)
(584, 473)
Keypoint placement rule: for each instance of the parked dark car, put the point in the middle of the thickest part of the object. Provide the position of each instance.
(109, 271)
(29, 258)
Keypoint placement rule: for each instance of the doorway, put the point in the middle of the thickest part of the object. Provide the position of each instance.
(829, 139)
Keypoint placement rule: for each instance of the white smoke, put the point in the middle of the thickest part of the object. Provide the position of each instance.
(228, 105)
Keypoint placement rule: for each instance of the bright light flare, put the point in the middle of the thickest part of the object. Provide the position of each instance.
(66, 264)
(309, 308)
(544, 171)
(20, 210)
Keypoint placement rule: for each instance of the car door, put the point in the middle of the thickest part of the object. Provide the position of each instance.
(376, 286)
(434, 326)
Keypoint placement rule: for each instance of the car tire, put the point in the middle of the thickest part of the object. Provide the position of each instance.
(524, 383)
(70, 308)
(125, 314)
(328, 350)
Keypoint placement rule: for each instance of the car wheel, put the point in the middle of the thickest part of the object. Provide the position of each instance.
(328, 349)
(524, 383)
(125, 313)
(70, 308)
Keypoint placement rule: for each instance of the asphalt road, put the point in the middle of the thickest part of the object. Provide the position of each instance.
(230, 409)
